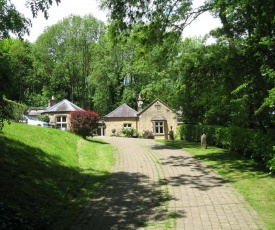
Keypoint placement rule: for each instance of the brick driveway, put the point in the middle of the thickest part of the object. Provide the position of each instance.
(153, 186)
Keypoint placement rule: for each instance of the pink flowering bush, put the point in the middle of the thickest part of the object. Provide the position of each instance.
(83, 122)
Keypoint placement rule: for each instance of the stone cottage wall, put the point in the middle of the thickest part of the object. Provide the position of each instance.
(52, 118)
(118, 123)
(157, 109)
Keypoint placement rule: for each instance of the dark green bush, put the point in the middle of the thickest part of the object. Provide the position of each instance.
(249, 142)
(11, 110)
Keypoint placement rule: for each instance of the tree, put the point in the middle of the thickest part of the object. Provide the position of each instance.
(84, 122)
(4, 86)
(20, 61)
(63, 56)
(157, 17)
(248, 30)
(12, 21)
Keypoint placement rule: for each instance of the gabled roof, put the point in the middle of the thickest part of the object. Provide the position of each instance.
(123, 111)
(62, 106)
(152, 104)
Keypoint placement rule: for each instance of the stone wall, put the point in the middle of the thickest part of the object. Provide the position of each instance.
(52, 118)
(157, 110)
(118, 123)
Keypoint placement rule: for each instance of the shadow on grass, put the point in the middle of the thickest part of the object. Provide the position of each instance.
(38, 192)
(36, 189)
(96, 140)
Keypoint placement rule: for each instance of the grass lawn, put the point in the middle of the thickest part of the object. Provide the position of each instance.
(47, 175)
(250, 179)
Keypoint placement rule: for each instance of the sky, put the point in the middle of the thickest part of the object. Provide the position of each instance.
(201, 26)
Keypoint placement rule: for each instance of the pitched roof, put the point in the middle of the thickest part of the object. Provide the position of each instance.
(62, 106)
(123, 111)
(148, 106)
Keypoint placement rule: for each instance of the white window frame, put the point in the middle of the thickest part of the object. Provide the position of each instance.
(127, 125)
(62, 124)
(159, 127)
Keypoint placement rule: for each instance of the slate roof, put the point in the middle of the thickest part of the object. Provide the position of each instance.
(63, 106)
(123, 111)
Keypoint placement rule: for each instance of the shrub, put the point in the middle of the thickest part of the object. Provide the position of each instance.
(83, 122)
(147, 134)
(128, 131)
(10, 110)
(44, 118)
(249, 142)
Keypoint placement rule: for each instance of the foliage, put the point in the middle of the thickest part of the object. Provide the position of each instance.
(15, 80)
(84, 122)
(157, 18)
(62, 173)
(12, 21)
(147, 134)
(63, 58)
(107, 77)
(16, 110)
(128, 131)
(19, 63)
(248, 142)
(44, 118)
(5, 112)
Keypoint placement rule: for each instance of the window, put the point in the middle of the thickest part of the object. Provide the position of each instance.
(127, 125)
(61, 122)
(159, 127)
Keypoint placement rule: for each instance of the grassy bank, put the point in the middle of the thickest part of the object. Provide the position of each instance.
(48, 175)
(250, 179)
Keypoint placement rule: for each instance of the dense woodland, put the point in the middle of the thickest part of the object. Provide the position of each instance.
(100, 66)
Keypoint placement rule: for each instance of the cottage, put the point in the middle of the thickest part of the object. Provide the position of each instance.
(156, 117)
(123, 116)
(59, 114)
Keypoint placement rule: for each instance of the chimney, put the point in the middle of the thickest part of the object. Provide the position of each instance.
(51, 102)
(139, 103)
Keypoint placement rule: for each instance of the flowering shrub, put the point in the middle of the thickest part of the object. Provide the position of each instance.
(83, 122)
(128, 131)
(147, 134)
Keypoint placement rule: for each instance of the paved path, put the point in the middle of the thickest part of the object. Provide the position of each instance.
(158, 187)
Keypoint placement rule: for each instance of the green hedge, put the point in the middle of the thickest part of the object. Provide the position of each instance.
(252, 143)
(10, 110)
(16, 109)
